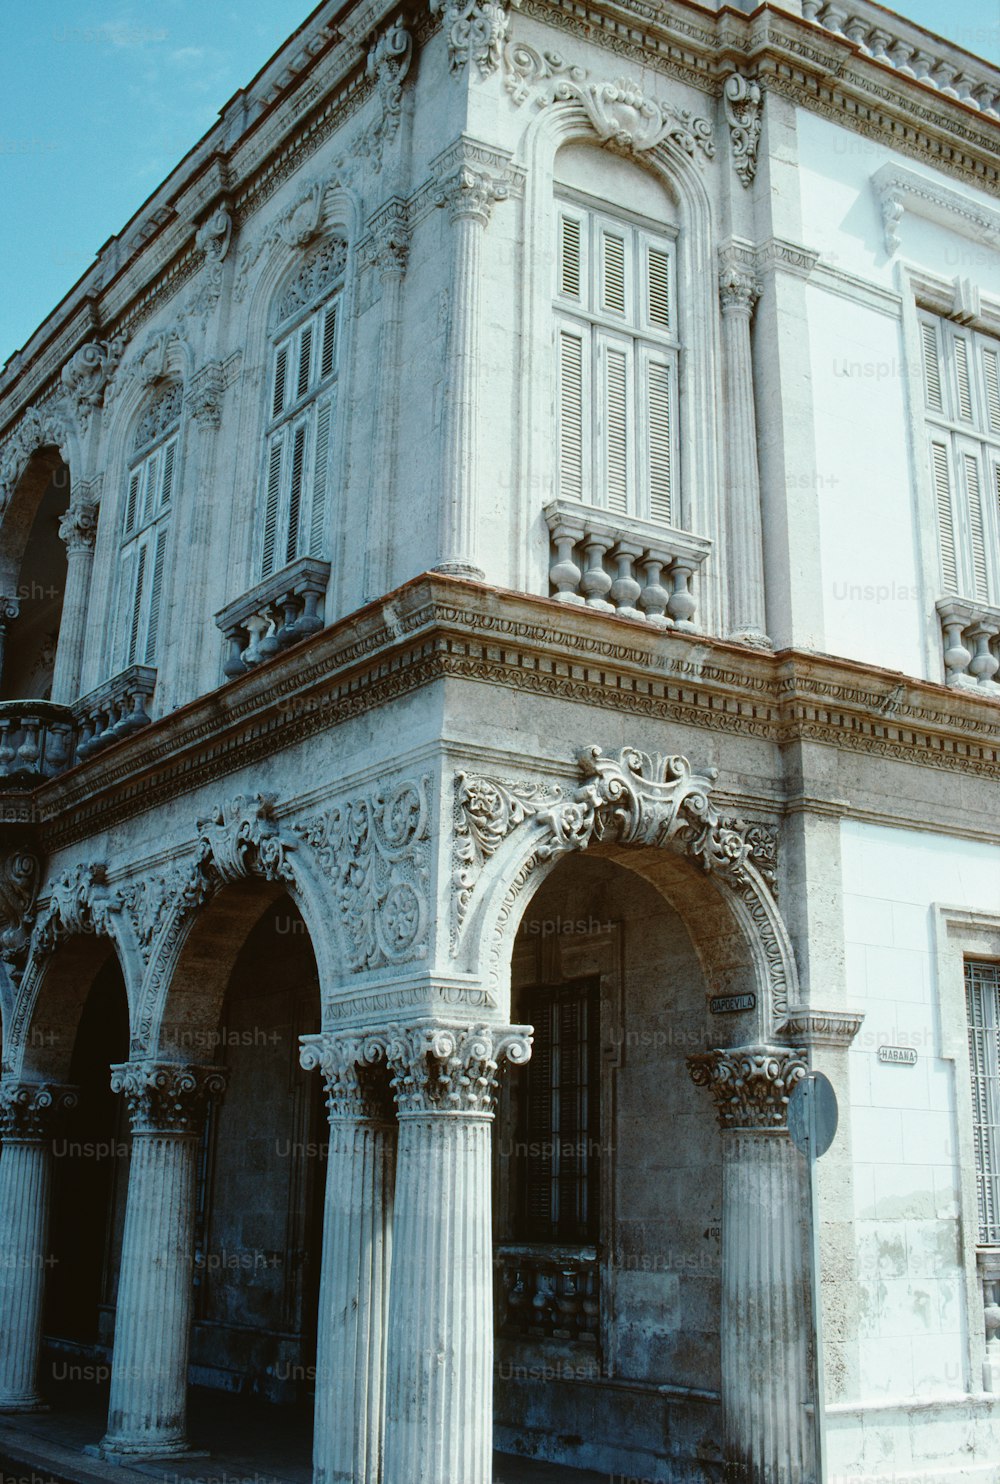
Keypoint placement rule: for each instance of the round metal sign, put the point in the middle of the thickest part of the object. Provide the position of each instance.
(812, 1114)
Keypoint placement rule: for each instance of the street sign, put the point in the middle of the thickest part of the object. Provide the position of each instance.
(812, 1114)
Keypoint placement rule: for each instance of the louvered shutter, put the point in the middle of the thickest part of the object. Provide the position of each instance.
(613, 273)
(135, 613)
(972, 502)
(964, 406)
(317, 517)
(657, 431)
(132, 502)
(571, 396)
(658, 288)
(941, 479)
(295, 485)
(305, 362)
(328, 359)
(167, 479)
(280, 381)
(272, 504)
(570, 264)
(991, 387)
(933, 383)
(150, 487)
(155, 596)
(614, 423)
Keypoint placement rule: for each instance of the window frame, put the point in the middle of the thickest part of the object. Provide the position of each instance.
(144, 549)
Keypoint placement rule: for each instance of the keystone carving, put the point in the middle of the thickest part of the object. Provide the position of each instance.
(79, 902)
(243, 839)
(743, 103)
(750, 1085)
(163, 1098)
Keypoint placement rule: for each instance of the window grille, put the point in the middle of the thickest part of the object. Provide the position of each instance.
(982, 992)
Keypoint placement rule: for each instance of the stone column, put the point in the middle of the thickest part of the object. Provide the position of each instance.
(388, 255)
(439, 1404)
(148, 1408)
(766, 1318)
(739, 292)
(78, 528)
(471, 179)
(357, 1250)
(26, 1113)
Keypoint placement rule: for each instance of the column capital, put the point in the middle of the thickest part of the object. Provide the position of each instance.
(750, 1085)
(739, 289)
(78, 525)
(167, 1097)
(27, 1109)
(470, 178)
(348, 1063)
(438, 1068)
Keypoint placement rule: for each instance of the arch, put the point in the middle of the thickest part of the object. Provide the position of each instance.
(239, 843)
(654, 815)
(672, 158)
(33, 567)
(40, 429)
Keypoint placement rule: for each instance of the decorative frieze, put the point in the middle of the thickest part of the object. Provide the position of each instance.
(166, 1098)
(452, 1069)
(28, 1109)
(376, 850)
(750, 1085)
(743, 101)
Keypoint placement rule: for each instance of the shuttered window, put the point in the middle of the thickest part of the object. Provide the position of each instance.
(982, 993)
(961, 382)
(296, 473)
(148, 503)
(616, 365)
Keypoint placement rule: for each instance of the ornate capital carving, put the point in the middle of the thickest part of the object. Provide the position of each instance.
(78, 525)
(743, 103)
(20, 877)
(476, 31)
(388, 64)
(164, 1098)
(388, 246)
(439, 1068)
(10, 608)
(243, 839)
(472, 190)
(739, 289)
(204, 400)
(86, 375)
(79, 902)
(620, 112)
(354, 1091)
(214, 236)
(27, 1109)
(751, 1085)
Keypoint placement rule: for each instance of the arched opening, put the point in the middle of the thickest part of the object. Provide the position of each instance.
(33, 578)
(608, 1170)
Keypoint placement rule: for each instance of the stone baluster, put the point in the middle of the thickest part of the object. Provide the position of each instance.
(943, 78)
(902, 57)
(879, 42)
(682, 605)
(564, 574)
(991, 1315)
(388, 255)
(922, 62)
(27, 1110)
(595, 584)
(78, 529)
(469, 188)
(439, 1403)
(357, 1249)
(654, 597)
(767, 1377)
(738, 293)
(834, 18)
(984, 664)
(957, 657)
(147, 1413)
(625, 590)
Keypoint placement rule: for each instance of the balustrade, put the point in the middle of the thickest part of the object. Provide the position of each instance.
(36, 741)
(989, 1273)
(619, 565)
(547, 1292)
(970, 634)
(278, 612)
(114, 710)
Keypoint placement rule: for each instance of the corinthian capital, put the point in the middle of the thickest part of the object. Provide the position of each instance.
(452, 1069)
(471, 178)
(165, 1098)
(751, 1085)
(78, 526)
(27, 1109)
(354, 1091)
(739, 289)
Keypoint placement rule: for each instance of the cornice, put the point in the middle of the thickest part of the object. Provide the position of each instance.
(444, 629)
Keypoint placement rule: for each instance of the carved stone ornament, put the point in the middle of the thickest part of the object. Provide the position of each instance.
(387, 246)
(619, 111)
(163, 1098)
(40, 427)
(78, 525)
(763, 842)
(439, 1068)
(750, 1085)
(739, 289)
(28, 1109)
(486, 810)
(349, 1065)
(376, 850)
(20, 877)
(161, 413)
(212, 239)
(214, 236)
(388, 64)
(87, 374)
(476, 32)
(243, 839)
(79, 902)
(318, 275)
(743, 103)
(204, 400)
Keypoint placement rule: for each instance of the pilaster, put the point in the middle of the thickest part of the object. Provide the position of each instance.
(739, 291)
(78, 529)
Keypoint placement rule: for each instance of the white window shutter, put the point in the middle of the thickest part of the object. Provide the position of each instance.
(933, 381)
(295, 482)
(615, 430)
(272, 504)
(167, 478)
(613, 272)
(570, 257)
(328, 358)
(571, 394)
(991, 386)
(973, 499)
(305, 362)
(658, 408)
(132, 502)
(317, 516)
(279, 384)
(150, 488)
(658, 287)
(963, 379)
(941, 479)
(135, 613)
(155, 596)
(982, 986)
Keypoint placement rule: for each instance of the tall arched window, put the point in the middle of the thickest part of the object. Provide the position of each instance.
(616, 339)
(145, 529)
(302, 409)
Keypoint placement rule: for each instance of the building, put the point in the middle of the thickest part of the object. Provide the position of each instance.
(506, 544)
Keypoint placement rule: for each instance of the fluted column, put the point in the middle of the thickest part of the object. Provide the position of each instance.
(26, 1113)
(357, 1251)
(472, 178)
(439, 1404)
(739, 292)
(388, 255)
(78, 528)
(766, 1319)
(147, 1413)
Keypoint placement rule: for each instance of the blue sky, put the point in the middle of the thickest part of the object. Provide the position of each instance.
(99, 98)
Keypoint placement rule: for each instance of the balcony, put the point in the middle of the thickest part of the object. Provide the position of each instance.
(970, 631)
(278, 612)
(547, 1292)
(114, 710)
(615, 564)
(36, 742)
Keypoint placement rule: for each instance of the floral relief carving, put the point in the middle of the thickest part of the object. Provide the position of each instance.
(476, 31)
(743, 102)
(160, 414)
(376, 850)
(750, 1085)
(164, 1098)
(388, 64)
(81, 901)
(296, 227)
(213, 240)
(322, 269)
(486, 810)
(619, 111)
(243, 839)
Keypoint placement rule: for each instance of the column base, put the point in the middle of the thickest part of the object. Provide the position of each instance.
(460, 569)
(124, 1450)
(9, 1406)
(754, 637)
